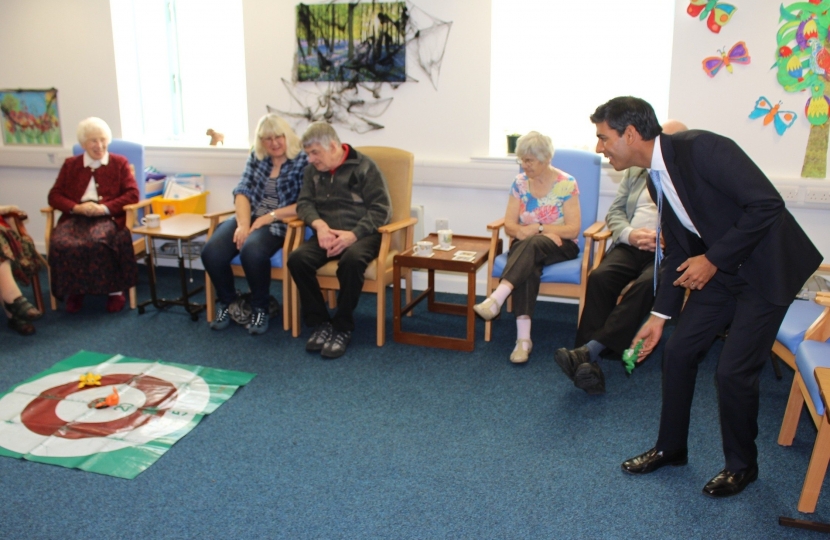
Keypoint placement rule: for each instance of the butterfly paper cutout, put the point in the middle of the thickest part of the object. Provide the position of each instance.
(738, 54)
(782, 119)
(719, 13)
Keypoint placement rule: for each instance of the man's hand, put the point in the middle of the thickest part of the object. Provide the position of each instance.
(342, 240)
(697, 271)
(643, 238)
(650, 332)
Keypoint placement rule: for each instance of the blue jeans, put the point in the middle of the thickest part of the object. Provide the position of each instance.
(256, 255)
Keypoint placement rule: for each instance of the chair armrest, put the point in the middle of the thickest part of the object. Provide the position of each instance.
(594, 229)
(216, 215)
(823, 298)
(398, 225)
(824, 268)
(498, 224)
(132, 212)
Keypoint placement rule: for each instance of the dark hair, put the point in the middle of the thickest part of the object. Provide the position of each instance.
(623, 111)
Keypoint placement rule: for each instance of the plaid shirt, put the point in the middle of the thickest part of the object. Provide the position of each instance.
(252, 184)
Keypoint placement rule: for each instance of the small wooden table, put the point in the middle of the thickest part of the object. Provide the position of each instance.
(181, 227)
(441, 260)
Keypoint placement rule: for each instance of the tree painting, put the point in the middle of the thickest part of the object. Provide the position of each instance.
(30, 117)
(352, 42)
(803, 65)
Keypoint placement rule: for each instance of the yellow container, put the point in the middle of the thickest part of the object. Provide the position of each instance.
(197, 204)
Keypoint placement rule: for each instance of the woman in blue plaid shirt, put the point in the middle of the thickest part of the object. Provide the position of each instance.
(266, 195)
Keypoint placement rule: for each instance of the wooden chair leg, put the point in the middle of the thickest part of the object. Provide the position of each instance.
(37, 292)
(816, 470)
(133, 299)
(792, 413)
(332, 299)
(295, 312)
(286, 303)
(381, 314)
(408, 284)
(210, 299)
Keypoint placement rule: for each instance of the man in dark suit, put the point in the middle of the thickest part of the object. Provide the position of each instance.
(731, 242)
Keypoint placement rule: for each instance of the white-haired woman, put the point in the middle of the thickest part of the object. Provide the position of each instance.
(266, 195)
(91, 251)
(542, 220)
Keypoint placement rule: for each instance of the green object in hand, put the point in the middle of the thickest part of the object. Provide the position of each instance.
(630, 356)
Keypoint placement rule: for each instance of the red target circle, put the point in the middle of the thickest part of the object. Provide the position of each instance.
(40, 415)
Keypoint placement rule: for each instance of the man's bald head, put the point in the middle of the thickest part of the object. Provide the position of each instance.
(673, 126)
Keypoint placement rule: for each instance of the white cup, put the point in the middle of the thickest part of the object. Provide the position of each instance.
(445, 238)
(151, 221)
(423, 248)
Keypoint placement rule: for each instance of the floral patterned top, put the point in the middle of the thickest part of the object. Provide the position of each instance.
(548, 209)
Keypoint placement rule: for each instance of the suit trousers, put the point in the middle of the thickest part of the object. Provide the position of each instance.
(615, 325)
(524, 267)
(754, 324)
(303, 264)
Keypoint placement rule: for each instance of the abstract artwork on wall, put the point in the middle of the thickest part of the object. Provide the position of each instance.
(30, 117)
(347, 53)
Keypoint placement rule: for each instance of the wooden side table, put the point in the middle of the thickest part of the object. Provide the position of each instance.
(181, 228)
(441, 260)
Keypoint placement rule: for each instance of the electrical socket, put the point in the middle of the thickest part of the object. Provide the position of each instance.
(441, 224)
(817, 196)
(789, 193)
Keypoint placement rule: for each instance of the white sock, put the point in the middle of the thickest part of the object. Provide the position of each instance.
(523, 331)
(501, 293)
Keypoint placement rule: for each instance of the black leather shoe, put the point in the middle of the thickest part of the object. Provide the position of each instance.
(589, 377)
(569, 361)
(726, 484)
(652, 460)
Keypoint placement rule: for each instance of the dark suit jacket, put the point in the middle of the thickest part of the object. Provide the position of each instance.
(744, 226)
(114, 181)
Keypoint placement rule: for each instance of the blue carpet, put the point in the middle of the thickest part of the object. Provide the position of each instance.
(398, 441)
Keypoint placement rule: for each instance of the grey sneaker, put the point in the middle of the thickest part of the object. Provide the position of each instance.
(319, 337)
(336, 346)
(259, 322)
(222, 318)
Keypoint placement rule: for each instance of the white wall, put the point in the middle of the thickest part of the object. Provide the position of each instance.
(70, 47)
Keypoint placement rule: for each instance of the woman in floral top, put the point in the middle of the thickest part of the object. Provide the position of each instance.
(542, 219)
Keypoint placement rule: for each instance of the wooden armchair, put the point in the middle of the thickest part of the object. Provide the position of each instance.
(800, 316)
(279, 268)
(566, 279)
(15, 220)
(397, 167)
(812, 353)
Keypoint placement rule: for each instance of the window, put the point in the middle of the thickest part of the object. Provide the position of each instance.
(180, 66)
(554, 62)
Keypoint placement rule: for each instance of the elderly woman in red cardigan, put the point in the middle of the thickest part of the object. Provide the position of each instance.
(91, 251)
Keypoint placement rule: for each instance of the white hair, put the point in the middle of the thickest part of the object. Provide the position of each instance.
(535, 144)
(90, 125)
(320, 133)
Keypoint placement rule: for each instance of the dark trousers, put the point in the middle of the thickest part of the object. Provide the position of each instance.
(615, 325)
(255, 255)
(524, 267)
(303, 264)
(754, 324)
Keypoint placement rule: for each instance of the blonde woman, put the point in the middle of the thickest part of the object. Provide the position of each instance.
(266, 194)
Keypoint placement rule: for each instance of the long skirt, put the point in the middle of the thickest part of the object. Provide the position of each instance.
(20, 251)
(91, 256)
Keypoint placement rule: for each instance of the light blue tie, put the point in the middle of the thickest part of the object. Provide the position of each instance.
(658, 251)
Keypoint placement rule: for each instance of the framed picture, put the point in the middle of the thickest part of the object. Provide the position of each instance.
(352, 42)
(30, 117)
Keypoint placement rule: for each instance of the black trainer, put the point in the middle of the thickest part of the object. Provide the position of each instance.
(336, 346)
(569, 361)
(222, 318)
(319, 337)
(259, 322)
(589, 377)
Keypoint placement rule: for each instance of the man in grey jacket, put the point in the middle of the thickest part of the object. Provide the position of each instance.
(632, 220)
(345, 199)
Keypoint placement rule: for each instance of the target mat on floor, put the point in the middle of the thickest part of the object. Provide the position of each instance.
(107, 414)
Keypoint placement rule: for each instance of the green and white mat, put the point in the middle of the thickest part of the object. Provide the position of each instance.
(52, 417)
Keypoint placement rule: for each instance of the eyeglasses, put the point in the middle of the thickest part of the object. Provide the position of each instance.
(525, 162)
(271, 139)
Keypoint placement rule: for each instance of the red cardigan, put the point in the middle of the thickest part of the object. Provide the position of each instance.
(114, 181)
